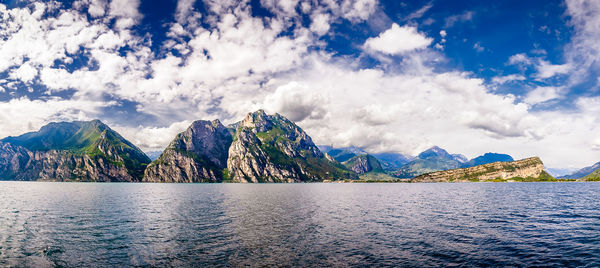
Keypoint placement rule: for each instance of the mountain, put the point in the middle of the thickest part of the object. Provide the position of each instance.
(582, 172)
(529, 169)
(488, 158)
(342, 154)
(363, 163)
(71, 151)
(271, 148)
(593, 176)
(199, 154)
(430, 160)
(153, 155)
(460, 158)
(392, 161)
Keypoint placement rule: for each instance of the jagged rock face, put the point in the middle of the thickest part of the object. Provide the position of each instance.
(525, 168)
(362, 164)
(270, 148)
(75, 151)
(13, 160)
(198, 154)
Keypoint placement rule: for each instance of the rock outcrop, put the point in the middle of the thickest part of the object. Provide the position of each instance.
(199, 154)
(270, 148)
(71, 151)
(362, 164)
(529, 169)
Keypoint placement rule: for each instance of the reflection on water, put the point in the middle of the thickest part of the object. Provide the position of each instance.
(479, 224)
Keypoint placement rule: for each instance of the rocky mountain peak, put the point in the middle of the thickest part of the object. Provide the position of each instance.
(198, 154)
(432, 152)
(271, 148)
(80, 150)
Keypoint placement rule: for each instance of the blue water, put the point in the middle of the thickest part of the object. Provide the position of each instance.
(470, 224)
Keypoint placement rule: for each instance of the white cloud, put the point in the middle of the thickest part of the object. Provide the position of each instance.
(152, 138)
(542, 94)
(398, 40)
(320, 23)
(241, 63)
(357, 10)
(297, 102)
(583, 52)
(547, 70)
(183, 10)
(97, 8)
(24, 115)
(25, 73)
(466, 16)
(477, 46)
(420, 12)
(508, 78)
(520, 58)
(126, 12)
(544, 68)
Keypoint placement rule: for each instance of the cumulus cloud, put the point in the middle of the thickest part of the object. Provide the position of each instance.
(320, 23)
(152, 138)
(25, 73)
(297, 102)
(397, 40)
(24, 115)
(519, 58)
(126, 12)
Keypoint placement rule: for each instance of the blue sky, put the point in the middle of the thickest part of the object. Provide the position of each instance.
(516, 77)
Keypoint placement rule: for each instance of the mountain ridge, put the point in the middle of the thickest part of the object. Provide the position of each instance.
(72, 151)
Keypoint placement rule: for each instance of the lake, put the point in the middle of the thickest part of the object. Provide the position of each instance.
(319, 224)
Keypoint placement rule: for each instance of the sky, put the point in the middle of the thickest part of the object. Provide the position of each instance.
(515, 77)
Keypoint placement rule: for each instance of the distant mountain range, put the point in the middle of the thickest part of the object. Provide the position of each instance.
(584, 172)
(260, 148)
(430, 160)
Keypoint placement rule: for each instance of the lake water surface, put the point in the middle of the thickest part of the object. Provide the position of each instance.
(472, 224)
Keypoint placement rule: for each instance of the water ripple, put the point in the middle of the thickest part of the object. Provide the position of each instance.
(173, 225)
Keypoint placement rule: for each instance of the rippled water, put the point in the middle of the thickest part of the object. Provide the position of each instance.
(476, 224)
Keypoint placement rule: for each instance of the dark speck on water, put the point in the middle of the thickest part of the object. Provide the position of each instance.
(478, 224)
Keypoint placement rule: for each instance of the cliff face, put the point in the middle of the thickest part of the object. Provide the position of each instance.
(74, 151)
(198, 154)
(525, 169)
(270, 148)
